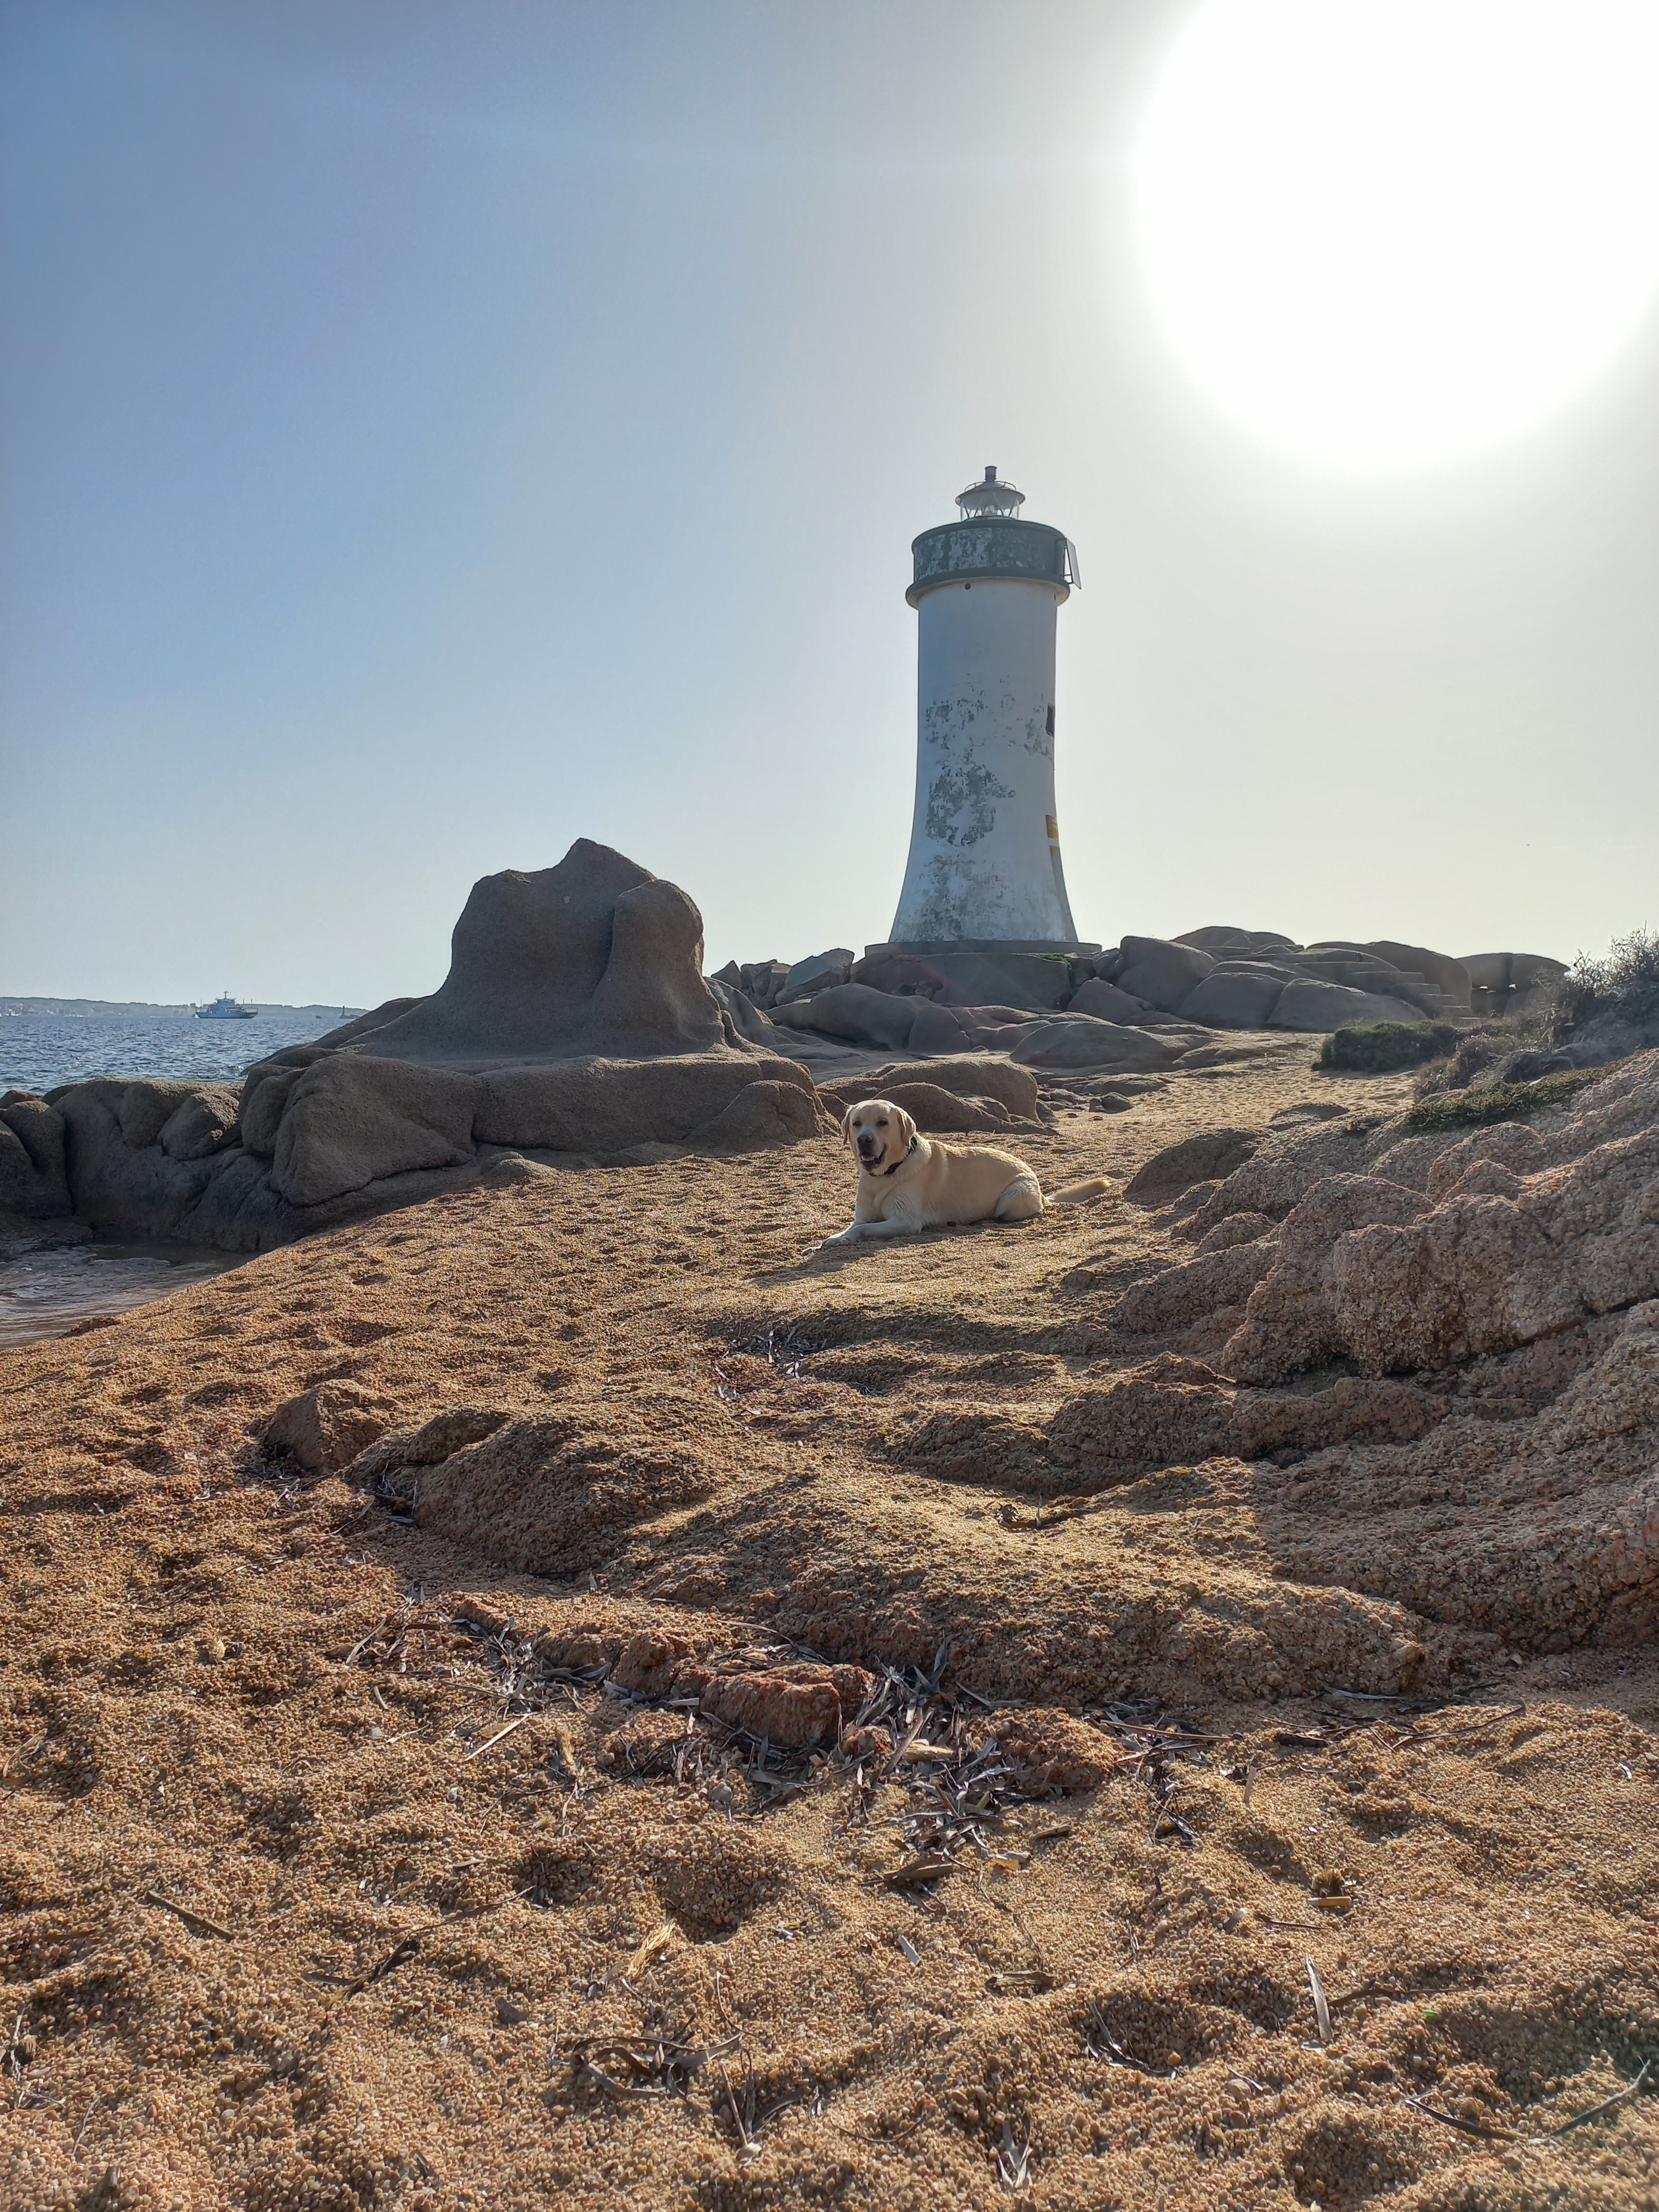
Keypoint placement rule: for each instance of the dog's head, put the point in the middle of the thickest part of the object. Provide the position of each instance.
(880, 1133)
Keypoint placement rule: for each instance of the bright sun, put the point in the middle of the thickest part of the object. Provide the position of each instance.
(1389, 230)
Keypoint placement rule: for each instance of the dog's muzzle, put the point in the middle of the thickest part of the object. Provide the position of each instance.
(869, 1150)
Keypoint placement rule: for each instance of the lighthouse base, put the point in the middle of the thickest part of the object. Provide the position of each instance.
(1069, 947)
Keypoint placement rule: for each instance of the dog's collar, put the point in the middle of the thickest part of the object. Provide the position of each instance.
(898, 1164)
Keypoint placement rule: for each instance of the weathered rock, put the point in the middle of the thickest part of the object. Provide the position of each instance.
(860, 1015)
(1237, 1229)
(651, 1743)
(1235, 997)
(761, 981)
(1480, 1274)
(1291, 1321)
(746, 1017)
(1185, 1294)
(265, 1096)
(608, 1106)
(1312, 1007)
(1028, 980)
(203, 1124)
(935, 1029)
(1220, 938)
(326, 1427)
(762, 1114)
(1170, 1412)
(1544, 1531)
(580, 1651)
(122, 1190)
(1105, 1002)
(143, 1109)
(818, 973)
(351, 1120)
(934, 1110)
(593, 957)
(33, 1177)
(1357, 1409)
(972, 1076)
(1526, 1065)
(1213, 1154)
(1161, 971)
(1512, 1146)
(1080, 1040)
(1283, 1169)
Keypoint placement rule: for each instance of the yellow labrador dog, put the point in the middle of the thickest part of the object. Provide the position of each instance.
(908, 1182)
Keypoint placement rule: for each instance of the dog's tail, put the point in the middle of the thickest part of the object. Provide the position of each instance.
(1081, 1193)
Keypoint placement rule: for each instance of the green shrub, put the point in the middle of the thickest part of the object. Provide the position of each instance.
(1625, 985)
(1499, 1102)
(1381, 1048)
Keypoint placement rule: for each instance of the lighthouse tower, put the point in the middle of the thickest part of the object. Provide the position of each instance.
(984, 867)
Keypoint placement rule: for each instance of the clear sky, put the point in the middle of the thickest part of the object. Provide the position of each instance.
(434, 432)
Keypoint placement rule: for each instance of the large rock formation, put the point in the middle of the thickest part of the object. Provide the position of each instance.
(574, 1019)
(1219, 977)
(1494, 1462)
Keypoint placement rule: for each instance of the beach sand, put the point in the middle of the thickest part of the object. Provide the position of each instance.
(290, 1916)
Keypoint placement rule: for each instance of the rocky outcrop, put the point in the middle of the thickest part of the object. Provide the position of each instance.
(976, 978)
(1160, 972)
(1218, 977)
(974, 1077)
(935, 1111)
(1080, 1040)
(593, 957)
(822, 971)
(857, 1014)
(1313, 1007)
(1239, 995)
(33, 1173)
(1106, 1002)
(1204, 1158)
(574, 1019)
(1406, 1252)
(1494, 1463)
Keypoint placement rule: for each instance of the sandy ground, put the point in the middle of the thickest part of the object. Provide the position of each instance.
(290, 1916)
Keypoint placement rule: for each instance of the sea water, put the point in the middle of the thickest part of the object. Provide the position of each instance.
(46, 1293)
(39, 1051)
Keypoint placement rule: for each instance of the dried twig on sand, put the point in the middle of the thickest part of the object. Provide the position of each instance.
(1595, 2112)
(1321, 2007)
(189, 1915)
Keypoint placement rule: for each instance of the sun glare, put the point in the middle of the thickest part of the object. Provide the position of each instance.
(1389, 230)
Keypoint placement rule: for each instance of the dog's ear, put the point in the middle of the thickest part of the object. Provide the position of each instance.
(907, 1123)
(847, 1125)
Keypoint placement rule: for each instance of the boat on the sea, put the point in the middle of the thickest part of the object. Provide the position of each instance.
(226, 1009)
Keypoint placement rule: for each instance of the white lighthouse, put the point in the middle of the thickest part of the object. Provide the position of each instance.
(984, 867)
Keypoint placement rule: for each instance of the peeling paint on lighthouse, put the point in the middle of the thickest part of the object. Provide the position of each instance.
(985, 860)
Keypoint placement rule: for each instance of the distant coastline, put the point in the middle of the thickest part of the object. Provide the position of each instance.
(93, 1010)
